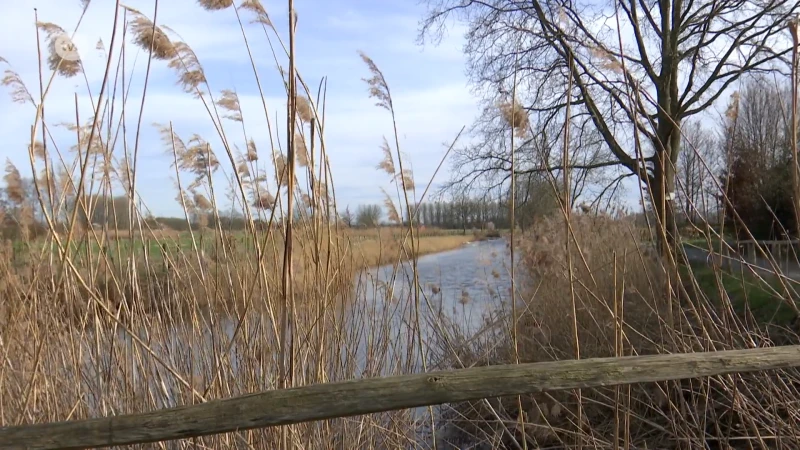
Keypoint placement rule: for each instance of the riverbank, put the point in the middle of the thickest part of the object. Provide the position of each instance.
(387, 250)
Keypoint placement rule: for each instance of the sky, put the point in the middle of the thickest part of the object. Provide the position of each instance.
(428, 83)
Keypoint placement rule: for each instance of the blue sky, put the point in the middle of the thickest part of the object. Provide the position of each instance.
(430, 91)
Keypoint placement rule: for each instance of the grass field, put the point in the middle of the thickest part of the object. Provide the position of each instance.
(764, 297)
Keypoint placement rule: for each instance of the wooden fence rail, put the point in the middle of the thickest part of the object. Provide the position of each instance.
(372, 395)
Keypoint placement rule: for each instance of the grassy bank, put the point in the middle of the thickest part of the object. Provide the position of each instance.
(762, 297)
(378, 251)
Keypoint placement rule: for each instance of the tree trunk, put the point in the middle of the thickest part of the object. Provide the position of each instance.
(662, 193)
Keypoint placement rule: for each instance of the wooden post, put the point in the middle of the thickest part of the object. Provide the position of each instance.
(372, 395)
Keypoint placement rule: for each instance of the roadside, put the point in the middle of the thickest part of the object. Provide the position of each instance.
(751, 286)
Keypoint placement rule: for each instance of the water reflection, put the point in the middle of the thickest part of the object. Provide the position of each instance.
(458, 291)
(459, 288)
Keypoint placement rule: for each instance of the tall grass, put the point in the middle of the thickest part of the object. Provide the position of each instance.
(91, 326)
(88, 328)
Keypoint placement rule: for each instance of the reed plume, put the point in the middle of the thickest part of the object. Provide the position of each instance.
(320, 189)
(62, 55)
(255, 7)
(391, 209)
(607, 60)
(263, 200)
(252, 151)
(186, 64)
(304, 110)
(150, 37)
(243, 170)
(15, 190)
(281, 169)
(301, 150)
(515, 116)
(406, 179)
(201, 202)
(215, 5)
(66, 183)
(172, 142)
(378, 87)
(200, 158)
(100, 47)
(732, 112)
(38, 150)
(12, 80)
(49, 180)
(229, 101)
(387, 163)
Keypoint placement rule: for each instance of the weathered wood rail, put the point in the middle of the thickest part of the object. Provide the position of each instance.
(372, 395)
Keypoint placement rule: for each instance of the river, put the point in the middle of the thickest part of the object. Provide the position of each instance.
(374, 335)
(459, 290)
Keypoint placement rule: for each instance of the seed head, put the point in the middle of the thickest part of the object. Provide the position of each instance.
(215, 5)
(304, 110)
(201, 201)
(62, 55)
(252, 151)
(150, 37)
(733, 107)
(186, 64)
(407, 180)
(263, 200)
(378, 87)
(300, 150)
(230, 102)
(19, 92)
(515, 116)
(391, 210)
(14, 188)
(243, 169)
(38, 150)
(281, 169)
(257, 8)
(387, 163)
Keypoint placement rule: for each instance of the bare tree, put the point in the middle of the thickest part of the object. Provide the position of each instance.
(347, 217)
(485, 165)
(368, 215)
(758, 162)
(638, 69)
(698, 165)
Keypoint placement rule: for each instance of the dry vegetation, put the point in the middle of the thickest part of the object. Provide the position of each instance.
(619, 304)
(90, 329)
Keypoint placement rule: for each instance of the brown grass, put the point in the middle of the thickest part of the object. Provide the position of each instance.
(88, 328)
(386, 249)
(623, 308)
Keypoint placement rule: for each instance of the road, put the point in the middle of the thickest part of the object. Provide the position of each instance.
(734, 262)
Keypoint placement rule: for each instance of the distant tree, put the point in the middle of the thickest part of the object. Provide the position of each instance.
(757, 178)
(698, 163)
(368, 215)
(680, 57)
(347, 217)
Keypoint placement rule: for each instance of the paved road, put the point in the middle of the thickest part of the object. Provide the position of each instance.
(734, 262)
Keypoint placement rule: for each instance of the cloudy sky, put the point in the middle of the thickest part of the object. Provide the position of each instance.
(431, 95)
